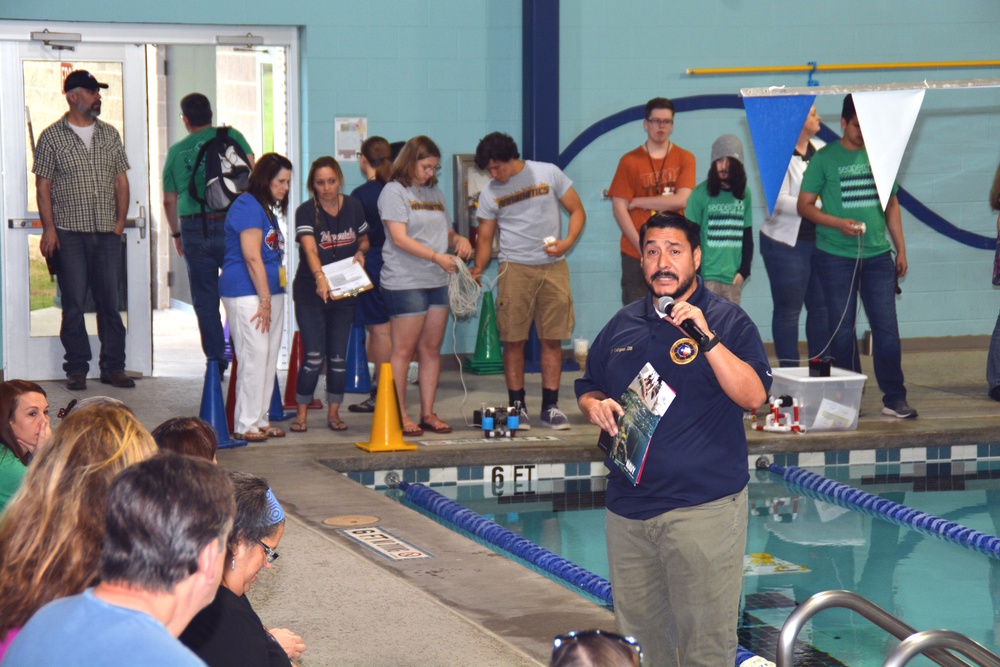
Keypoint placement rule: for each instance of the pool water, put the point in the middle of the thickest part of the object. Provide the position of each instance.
(926, 582)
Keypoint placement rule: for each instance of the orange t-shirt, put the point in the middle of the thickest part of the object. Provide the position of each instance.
(636, 177)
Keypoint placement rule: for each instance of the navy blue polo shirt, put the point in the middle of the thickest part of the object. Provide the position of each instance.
(699, 449)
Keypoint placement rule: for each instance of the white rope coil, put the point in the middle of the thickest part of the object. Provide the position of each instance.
(464, 292)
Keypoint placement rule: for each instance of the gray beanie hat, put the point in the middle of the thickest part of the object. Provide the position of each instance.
(728, 145)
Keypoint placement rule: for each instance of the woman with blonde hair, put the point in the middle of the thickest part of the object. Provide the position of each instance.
(51, 532)
(419, 235)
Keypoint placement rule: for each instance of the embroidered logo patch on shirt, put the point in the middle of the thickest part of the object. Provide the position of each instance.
(683, 351)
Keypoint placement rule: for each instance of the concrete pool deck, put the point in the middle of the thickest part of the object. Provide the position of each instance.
(466, 604)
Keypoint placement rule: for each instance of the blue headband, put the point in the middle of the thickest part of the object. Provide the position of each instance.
(275, 514)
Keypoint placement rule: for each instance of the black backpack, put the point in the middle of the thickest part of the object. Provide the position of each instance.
(227, 172)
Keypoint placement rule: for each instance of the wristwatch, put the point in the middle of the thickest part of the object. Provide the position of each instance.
(708, 342)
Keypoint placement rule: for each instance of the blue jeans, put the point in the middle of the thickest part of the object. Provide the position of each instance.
(204, 251)
(324, 336)
(993, 358)
(94, 261)
(411, 302)
(794, 282)
(876, 282)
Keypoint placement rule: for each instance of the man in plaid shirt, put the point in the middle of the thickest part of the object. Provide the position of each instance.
(83, 195)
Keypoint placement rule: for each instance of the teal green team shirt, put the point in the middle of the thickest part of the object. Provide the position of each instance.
(11, 473)
(722, 220)
(180, 161)
(843, 180)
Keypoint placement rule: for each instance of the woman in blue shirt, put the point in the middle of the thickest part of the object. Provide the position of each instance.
(252, 287)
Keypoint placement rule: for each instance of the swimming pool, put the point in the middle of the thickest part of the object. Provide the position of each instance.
(928, 583)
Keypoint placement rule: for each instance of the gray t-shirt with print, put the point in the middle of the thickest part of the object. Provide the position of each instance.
(526, 209)
(421, 208)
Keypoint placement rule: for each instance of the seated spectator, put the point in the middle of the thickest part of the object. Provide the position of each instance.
(595, 647)
(24, 430)
(165, 530)
(51, 532)
(228, 632)
(187, 435)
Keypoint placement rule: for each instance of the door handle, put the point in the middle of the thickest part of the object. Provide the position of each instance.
(138, 222)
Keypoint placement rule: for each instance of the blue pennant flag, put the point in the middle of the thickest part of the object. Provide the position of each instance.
(775, 124)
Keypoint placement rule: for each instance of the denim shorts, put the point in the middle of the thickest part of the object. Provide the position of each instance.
(409, 302)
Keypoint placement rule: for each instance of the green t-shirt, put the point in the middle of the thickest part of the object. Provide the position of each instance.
(843, 180)
(11, 473)
(722, 220)
(180, 160)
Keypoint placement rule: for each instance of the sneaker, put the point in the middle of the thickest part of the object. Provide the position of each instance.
(118, 379)
(367, 405)
(995, 393)
(553, 417)
(522, 420)
(900, 409)
(76, 382)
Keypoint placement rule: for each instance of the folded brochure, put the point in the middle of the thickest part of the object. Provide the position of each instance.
(644, 402)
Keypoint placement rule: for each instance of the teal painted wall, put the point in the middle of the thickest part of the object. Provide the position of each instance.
(451, 70)
(617, 55)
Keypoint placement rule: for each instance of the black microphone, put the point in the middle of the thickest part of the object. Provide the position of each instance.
(665, 304)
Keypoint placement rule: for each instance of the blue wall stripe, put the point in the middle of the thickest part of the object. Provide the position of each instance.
(682, 104)
(540, 79)
(703, 102)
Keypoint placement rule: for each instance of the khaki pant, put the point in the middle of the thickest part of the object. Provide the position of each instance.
(727, 291)
(676, 581)
(534, 293)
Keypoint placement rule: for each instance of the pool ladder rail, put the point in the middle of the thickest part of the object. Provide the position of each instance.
(931, 643)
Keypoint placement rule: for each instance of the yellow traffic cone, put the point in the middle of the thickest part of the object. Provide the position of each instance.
(387, 426)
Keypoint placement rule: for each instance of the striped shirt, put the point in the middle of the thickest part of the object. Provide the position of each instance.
(83, 181)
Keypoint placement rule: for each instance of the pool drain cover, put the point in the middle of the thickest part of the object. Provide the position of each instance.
(351, 520)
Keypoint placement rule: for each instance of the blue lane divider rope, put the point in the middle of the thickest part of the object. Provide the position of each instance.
(508, 540)
(824, 488)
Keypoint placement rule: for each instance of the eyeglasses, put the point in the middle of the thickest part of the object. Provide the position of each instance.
(590, 637)
(272, 555)
(436, 168)
(660, 122)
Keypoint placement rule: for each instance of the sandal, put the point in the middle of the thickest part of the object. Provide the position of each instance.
(336, 425)
(436, 426)
(411, 430)
(298, 427)
(274, 432)
(250, 436)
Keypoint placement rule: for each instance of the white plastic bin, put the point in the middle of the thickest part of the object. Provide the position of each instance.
(825, 404)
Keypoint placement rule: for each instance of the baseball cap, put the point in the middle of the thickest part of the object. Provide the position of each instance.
(81, 78)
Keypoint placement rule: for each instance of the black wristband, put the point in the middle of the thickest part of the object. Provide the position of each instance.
(708, 344)
(175, 235)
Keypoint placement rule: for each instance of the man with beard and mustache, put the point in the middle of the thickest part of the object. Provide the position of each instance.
(83, 193)
(676, 540)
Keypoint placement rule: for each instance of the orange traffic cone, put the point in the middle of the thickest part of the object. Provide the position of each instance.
(387, 426)
(294, 362)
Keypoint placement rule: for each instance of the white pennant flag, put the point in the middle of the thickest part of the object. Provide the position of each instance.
(886, 119)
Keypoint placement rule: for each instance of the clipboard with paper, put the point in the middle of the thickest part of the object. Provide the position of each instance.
(346, 278)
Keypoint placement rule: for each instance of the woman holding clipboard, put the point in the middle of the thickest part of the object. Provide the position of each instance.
(329, 227)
